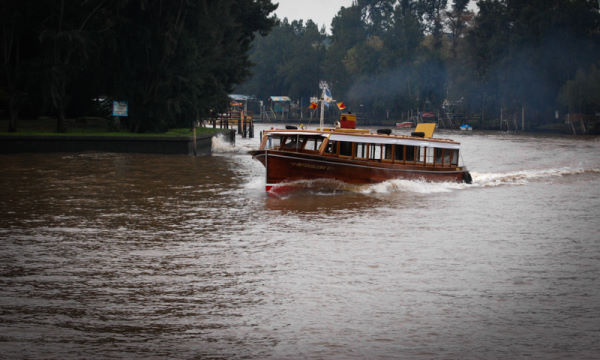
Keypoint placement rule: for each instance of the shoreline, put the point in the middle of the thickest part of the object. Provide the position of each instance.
(183, 145)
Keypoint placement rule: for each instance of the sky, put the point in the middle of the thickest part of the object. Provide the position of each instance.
(319, 11)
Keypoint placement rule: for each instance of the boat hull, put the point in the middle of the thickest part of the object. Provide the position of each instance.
(286, 167)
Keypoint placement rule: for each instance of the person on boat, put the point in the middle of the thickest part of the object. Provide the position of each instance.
(291, 144)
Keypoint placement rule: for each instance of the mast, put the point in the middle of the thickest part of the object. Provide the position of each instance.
(323, 86)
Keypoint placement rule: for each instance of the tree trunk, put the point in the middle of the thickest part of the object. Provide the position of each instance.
(14, 114)
(60, 120)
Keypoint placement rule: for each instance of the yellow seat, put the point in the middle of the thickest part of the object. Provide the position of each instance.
(426, 128)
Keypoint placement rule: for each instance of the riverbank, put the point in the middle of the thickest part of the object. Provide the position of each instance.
(175, 141)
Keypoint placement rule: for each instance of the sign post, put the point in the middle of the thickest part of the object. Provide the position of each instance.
(120, 108)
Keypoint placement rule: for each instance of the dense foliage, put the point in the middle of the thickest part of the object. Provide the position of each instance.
(173, 61)
(530, 57)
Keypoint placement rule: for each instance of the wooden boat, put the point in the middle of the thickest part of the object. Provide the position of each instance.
(358, 156)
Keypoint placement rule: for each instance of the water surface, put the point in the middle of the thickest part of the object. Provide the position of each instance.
(148, 256)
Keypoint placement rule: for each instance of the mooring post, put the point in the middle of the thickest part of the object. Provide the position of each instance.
(243, 120)
(252, 129)
(195, 150)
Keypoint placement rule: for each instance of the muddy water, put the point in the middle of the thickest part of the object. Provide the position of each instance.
(146, 256)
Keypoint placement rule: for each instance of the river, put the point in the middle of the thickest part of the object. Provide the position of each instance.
(151, 257)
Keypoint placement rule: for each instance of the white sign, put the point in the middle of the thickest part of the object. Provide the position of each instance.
(120, 108)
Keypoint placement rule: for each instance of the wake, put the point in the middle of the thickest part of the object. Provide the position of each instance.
(480, 180)
(331, 187)
(525, 176)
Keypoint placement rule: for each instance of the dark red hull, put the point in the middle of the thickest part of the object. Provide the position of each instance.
(284, 167)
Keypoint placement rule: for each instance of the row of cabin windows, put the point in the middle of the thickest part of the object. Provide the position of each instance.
(397, 153)
(387, 152)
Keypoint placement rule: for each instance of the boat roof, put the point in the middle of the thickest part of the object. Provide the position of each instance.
(364, 136)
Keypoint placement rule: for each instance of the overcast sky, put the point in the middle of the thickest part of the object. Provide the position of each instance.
(319, 11)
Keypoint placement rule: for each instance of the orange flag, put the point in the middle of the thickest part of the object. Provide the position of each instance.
(313, 106)
(341, 105)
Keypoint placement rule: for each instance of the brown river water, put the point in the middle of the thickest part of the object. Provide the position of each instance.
(133, 256)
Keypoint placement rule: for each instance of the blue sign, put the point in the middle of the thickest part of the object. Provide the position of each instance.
(120, 108)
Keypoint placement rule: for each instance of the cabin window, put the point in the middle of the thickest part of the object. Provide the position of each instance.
(429, 155)
(438, 156)
(420, 156)
(387, 152)
(313, 144)
(454, 157)
(331, 147)
(375, 152)
(345, 148)
(410, 153)
(273, 142)
(399, 153)
(447, 153)
(361, 151)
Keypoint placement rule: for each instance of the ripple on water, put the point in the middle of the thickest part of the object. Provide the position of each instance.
(147, 256)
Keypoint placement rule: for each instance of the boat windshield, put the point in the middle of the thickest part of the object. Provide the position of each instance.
(273, 142)
(294, 142)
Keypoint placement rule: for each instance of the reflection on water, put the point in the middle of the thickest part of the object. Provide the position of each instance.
(148, 256)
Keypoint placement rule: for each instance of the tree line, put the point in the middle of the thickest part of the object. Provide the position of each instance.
(173, 61)
(508, 58)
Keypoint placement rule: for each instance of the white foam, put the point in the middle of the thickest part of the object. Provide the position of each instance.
(255, 183)
(221, 145)
(413, 186)
(425, 187)
(524, 176)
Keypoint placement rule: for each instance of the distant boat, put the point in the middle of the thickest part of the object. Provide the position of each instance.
(466, 127)
(406, 124)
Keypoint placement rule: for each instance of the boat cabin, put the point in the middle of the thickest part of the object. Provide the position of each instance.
(361, 145)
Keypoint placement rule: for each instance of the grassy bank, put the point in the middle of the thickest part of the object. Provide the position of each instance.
(88, 127)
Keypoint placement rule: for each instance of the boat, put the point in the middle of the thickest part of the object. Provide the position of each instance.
(466, 127)
(405, 124)
(357, 156)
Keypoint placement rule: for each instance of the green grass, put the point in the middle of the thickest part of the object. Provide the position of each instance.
(169, 133)
(88, 127)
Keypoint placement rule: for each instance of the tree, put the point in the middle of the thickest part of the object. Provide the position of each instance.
(289, 61)
(19, 46)
(431, 12)
(582, 94)
(66, 47)
(523, 51)
(458, 18)
(377, 15)
(347, 30)
(172, 60)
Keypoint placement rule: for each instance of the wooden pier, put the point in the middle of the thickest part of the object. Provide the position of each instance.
(243, 120)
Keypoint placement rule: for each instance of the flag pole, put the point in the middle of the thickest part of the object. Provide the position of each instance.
(323, 86)
(322, 114)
